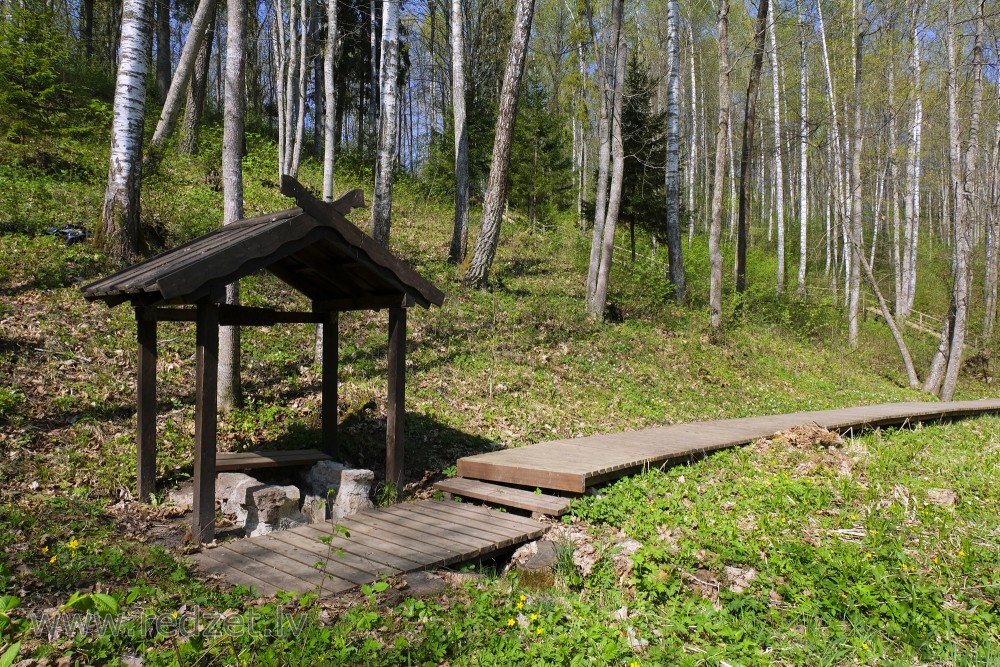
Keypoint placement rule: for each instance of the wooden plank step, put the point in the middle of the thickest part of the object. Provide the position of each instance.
(505, 495)
(230, 461)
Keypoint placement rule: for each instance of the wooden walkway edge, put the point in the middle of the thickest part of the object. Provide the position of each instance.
(573, 465)
(381, 543)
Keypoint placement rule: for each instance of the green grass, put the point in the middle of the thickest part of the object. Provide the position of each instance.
(516, 364)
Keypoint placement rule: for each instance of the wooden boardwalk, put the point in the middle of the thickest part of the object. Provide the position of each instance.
(573, 465)
(382, 543)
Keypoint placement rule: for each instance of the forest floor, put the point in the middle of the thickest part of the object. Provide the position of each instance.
(785, 552)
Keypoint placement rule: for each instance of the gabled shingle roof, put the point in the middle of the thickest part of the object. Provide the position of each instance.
(314, 249)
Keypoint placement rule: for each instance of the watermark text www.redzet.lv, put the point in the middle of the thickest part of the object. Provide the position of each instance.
(189, 623)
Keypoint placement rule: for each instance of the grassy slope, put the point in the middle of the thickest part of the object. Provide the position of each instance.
(510, 366)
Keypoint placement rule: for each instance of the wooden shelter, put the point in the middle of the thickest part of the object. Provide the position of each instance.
(312, 248)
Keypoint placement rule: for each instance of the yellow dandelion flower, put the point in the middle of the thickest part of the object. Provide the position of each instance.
(633, 664)
(53, 559)
(540, 631)
(864, 646)
(843, 595)
(74, 543)
(868, 555)
(511, 622)
(524, 597)
(854, 517)
(520, 605)
(961, 552)
(935, 560)
(45, 550)
(72, 554)
(534, 617)
(874, 532)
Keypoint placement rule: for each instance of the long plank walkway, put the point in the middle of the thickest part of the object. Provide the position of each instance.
(380, 543)
(573, 465)
(431, 533)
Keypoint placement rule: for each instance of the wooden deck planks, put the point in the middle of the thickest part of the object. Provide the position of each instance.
(502, 495)
(573, 465)
(382, 543)
(230, 461)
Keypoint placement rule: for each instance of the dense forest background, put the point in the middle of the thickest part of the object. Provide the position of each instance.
(852, 146)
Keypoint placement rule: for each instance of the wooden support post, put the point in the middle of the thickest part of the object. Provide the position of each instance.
(396, 405)
(146, 406)
(331, 361)
(205, 415)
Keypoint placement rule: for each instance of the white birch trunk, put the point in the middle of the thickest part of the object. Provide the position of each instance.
(803, 154)
(779, 189)
(120, 233)
(230, 394)
(460, 233)
(673, 177)
(963, 197)
(300, 98)
(330, 100)
(693, 155)
(385, 159)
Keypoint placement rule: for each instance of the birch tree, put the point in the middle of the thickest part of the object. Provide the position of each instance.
(120, 232)
(496, 188)
(947, 361)
(289, 46)
(330, 99)
(460, 233)
(803, 154)
(388, 124)
(673, 177)
(856, 251)
(230, 394)
(719, 185)
(911, 204)
(779, 191)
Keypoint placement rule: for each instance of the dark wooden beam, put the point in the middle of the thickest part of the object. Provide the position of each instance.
(370, 302)
(237, 316)
(331, 362)
(396, 405)
(146, 406)
(205, 416)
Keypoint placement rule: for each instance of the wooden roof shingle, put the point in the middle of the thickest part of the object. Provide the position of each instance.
(312, 248)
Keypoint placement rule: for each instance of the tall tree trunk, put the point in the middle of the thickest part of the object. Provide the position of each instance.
(162, 48)
(496, 188)
(120, 233)
(897, 265)
(203, 17)
(373, 97)
(194, 108)
(856, 240)
(718, 185)
(673, 176)
(604, 147)
(803, 154)
(911, 207)
(693, 152)
(749, 121)
(87, 27)
(330, 99)
(460, 233)
(779, 187)
(600, 299)
(230, 394)
(300, 97)
(962, 191)
(388, 126)
(992, 240)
